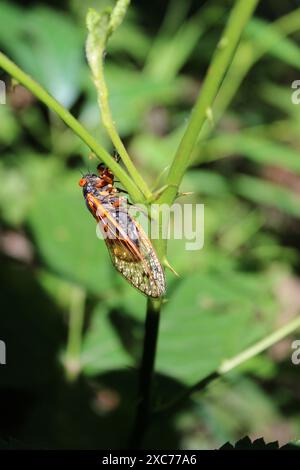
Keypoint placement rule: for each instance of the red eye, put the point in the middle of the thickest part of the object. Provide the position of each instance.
(82, 182)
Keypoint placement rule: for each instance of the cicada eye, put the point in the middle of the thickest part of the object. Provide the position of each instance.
(82, 182)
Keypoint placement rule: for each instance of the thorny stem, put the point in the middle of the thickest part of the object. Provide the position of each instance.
(38, 91)
(239, 16)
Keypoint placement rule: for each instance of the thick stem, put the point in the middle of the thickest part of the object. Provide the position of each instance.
(146, 374)
(238, 18)
(72, 122)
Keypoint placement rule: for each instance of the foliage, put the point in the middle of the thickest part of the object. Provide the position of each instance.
(229, 295)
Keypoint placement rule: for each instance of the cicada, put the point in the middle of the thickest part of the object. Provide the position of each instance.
(131, 251)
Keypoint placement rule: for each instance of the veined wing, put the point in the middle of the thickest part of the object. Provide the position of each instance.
(136, 258)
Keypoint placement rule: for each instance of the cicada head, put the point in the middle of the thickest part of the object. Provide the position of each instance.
(89, 183)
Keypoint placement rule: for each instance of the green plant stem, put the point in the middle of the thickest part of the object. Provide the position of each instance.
(239, 16)
(72, 358)
(110, 127)
(100, 28)
(260, 346)
(38, 91)
(146, 370)
(248, 53)
(230, 364)
(146, 374)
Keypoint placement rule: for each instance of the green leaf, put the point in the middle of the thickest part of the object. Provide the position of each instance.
(211, 317)
(170, 53)
(205, 182)
(254, 147)
(51, 52)
(9, 129)
(280, 97)
(65, 234)
(130, 96)
(268, 194)
(246, 444)
(281, 47)
(102, 350)
(177, 38)
(259, 444)
(27, 172)
(130, 39)
(237, 391)
(11, 16)
(156, 153)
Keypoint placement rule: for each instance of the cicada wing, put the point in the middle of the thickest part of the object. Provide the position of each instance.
(132, 252)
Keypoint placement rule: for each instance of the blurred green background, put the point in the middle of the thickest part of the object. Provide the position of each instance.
(244, 283)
